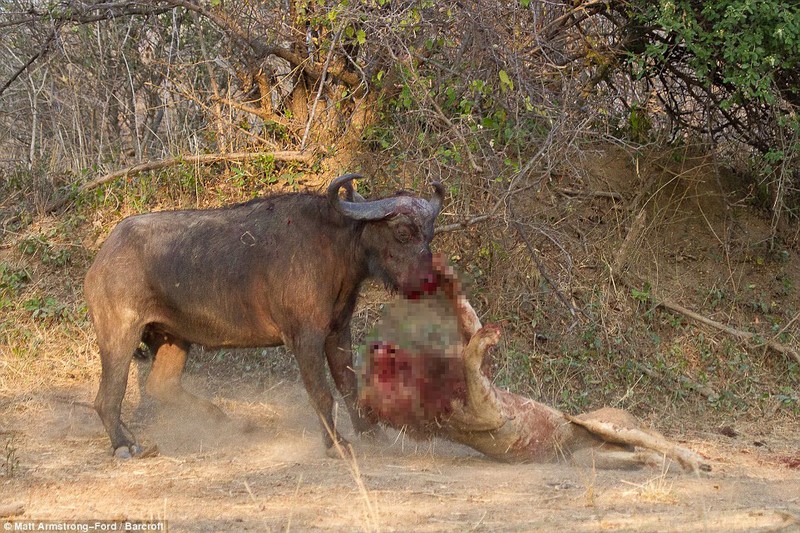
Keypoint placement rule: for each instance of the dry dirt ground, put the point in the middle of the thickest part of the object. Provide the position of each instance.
(267, 471)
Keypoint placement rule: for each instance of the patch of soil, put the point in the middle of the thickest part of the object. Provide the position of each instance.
(266, 470)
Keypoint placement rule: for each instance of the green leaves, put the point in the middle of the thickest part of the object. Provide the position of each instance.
(360, 36)
(644, 295)
(505, 81)
(741, 44)
(738, 61)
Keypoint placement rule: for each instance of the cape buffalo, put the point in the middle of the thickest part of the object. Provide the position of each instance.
(280, 270)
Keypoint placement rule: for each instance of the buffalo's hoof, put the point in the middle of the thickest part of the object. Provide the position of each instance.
(126, 452)
(134, 450)
(342, 450)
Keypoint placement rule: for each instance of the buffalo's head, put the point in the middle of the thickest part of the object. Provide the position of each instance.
(397, 234)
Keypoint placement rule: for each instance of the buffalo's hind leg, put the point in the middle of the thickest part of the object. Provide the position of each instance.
(115, 358)
(164, 381)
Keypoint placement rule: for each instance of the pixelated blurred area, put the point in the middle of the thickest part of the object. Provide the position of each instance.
(411, 369)
(418, 325)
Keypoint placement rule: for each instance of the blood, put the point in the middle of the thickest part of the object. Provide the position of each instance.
(428, 285)
(791, 462)
(409, 389)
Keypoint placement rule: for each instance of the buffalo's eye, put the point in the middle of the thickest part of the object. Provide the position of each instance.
(404, 235)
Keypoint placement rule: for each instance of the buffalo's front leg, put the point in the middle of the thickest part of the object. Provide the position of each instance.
(309, 350)
(338, 350)
(164, 381)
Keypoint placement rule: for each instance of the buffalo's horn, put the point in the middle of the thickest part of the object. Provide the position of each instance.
(373, 209)
(437, 200)
(358, 210)
(357, 198)
(351, 195)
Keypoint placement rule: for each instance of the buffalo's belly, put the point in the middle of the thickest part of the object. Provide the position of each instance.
(220, 331)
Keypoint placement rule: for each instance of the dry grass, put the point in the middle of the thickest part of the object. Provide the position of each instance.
(370, 516)
(589, 478)
(658, 489)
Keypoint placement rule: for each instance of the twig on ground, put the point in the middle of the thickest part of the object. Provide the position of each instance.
(589, 194)
(743, 335)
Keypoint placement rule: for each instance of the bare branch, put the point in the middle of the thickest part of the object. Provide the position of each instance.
(745, 336)
(85, 14)
(739, 334)
(42, 51)
(589, 194)
(171, 162)
(262, 50)
(319, 91)
(463, 224)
